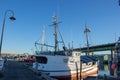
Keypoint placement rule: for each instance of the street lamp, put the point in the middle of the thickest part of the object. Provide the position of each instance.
(11, 18)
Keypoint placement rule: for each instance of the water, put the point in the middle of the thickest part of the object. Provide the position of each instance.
(104, 69)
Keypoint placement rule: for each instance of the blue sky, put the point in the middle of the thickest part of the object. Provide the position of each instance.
(102, 18)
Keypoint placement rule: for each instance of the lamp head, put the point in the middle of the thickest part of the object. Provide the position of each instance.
(12, 18)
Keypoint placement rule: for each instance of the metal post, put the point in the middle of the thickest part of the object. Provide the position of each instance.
(112, 72)
(80, 69)
(12, 18)
(2, 35)
(112, 55)
(76, 70)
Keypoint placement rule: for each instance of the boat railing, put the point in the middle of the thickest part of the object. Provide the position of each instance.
(60, 53)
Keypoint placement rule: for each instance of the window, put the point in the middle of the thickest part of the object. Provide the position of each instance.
(41, 59)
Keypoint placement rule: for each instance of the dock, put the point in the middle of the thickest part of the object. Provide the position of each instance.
(42, 76)
(16, 70)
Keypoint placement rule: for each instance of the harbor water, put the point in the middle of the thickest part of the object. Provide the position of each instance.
(104, 69)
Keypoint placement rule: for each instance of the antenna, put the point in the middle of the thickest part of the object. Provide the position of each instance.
(69, 46)
(115, 37)
(36, 45)
(72, 45)
(58, 8)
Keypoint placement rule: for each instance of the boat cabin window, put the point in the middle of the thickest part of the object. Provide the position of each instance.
(41, 59)
(76, 54)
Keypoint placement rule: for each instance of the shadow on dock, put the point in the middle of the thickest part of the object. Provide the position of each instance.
(1, 75)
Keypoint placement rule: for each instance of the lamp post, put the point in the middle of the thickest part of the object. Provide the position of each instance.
(11, 18)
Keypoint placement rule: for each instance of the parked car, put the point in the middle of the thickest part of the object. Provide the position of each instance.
(29, 60)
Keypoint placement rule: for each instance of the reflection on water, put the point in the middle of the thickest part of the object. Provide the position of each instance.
(104, 69)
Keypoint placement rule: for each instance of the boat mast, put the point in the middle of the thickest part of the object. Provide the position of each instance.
(43, 38)
(56, 32)
(55, 24)
(86, 31)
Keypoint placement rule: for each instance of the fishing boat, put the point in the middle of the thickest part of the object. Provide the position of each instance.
(66, 63)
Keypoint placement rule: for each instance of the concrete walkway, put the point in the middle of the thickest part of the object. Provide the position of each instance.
(17, 71)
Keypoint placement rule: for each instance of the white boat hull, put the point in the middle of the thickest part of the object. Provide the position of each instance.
(65, 67)
(73, 75)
